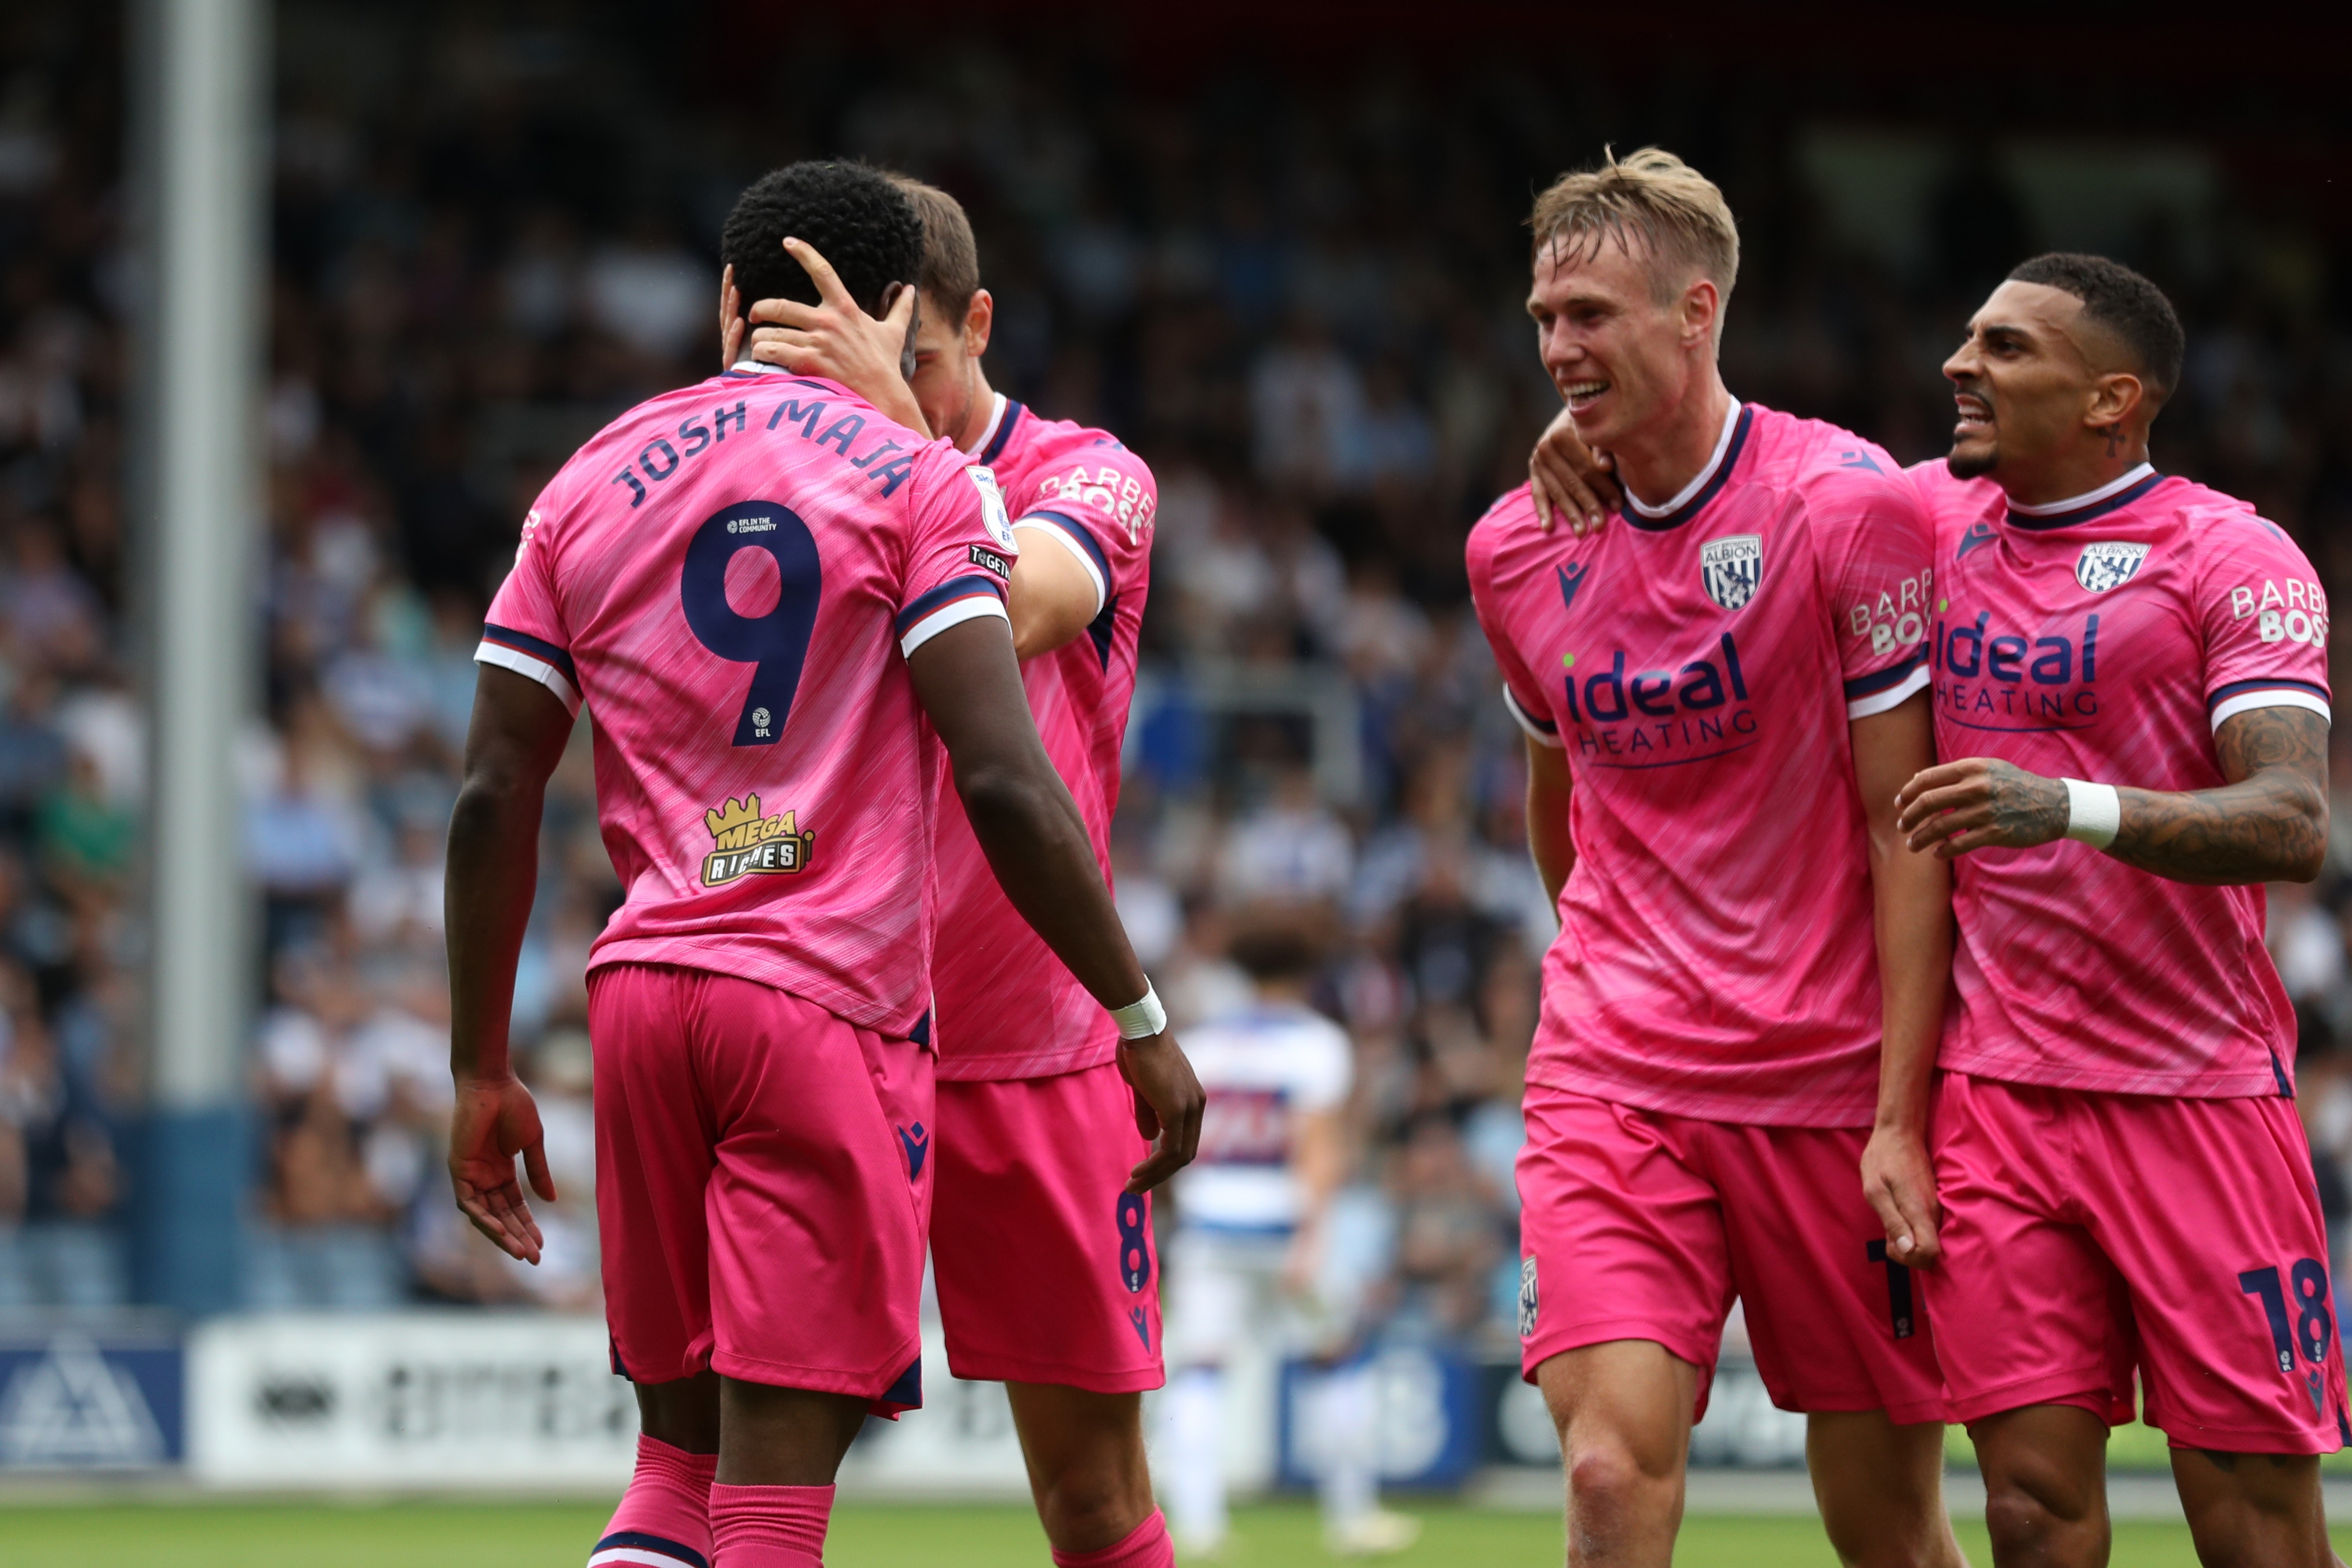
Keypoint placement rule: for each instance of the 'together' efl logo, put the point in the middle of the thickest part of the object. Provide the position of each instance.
(1659, 716)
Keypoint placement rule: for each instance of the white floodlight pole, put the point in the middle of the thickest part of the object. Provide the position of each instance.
(204, 277)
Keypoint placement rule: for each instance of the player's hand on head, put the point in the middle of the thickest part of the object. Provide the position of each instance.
(836, 339)
(1980, 802)
(1571, 482)
(495, 1119)
(730, 320)
(1169, 1101)
(1899, 1179)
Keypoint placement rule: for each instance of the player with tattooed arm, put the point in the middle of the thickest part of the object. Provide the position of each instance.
(2137, 664)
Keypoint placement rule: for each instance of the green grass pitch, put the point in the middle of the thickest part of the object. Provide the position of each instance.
(865, 1536)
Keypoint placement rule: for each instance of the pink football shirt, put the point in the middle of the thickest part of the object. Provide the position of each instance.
(1701, 663)
(731, 576)
(2107, 639)
(1007, 1007)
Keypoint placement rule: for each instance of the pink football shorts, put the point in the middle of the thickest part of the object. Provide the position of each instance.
(1639, 1225)
(1043, 1261)
(2087, 1235)
(762, 1186)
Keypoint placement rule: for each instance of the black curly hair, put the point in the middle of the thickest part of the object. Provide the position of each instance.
(854, 217)
(2127, 304)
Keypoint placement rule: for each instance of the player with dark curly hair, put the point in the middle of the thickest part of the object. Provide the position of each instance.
(779, 601)
(1042, 1251)
(862, 224)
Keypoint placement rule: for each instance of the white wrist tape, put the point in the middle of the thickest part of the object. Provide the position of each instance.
(1141, 1020)
(2094, 812)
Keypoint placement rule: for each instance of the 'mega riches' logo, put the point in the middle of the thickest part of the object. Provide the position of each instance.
(749, 844)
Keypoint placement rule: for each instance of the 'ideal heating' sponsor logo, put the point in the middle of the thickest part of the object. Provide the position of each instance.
(1991, 678)
(1630, 717)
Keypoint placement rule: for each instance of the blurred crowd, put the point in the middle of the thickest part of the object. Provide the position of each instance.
(1299, 299)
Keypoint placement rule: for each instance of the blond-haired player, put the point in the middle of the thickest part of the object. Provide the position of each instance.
(1722, 692)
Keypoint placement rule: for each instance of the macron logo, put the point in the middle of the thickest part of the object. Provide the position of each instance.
(1571, 577)
(917, 1142)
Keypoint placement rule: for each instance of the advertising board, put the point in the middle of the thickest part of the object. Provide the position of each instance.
(421, 1399)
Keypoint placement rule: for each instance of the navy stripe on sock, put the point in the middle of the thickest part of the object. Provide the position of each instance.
(645, 1542)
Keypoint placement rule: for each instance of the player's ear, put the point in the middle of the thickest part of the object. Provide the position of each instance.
(1701, 301)
(2116, 398)
(978, 321)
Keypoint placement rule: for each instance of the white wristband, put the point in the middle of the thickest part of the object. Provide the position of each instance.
(2094, 812)
(1141, 1020)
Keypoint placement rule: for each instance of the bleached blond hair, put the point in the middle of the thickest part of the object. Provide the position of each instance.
(1663, 213)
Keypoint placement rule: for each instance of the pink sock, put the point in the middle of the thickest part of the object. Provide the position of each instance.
(769, 1527)
(665, 1515)
(1146, 1546)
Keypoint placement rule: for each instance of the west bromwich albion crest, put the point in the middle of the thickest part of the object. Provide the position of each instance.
(2109, 564)
(1731, 568)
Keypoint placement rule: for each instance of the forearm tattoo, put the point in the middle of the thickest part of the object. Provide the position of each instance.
(2268, 824)
(2026, 807)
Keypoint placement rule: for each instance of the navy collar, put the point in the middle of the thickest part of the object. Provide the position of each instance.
(2041, 519)
(754, 369)
(1005, 420)
(1697, 504)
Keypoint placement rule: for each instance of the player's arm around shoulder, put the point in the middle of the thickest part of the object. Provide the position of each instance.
(1570, 483)
(2268, 697)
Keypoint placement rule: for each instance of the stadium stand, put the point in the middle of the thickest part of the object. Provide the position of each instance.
(1301, 305)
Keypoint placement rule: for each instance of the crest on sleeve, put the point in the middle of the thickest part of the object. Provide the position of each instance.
(1731, 568)
(2108, 564)
(1530, 1303)
(992, 507)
